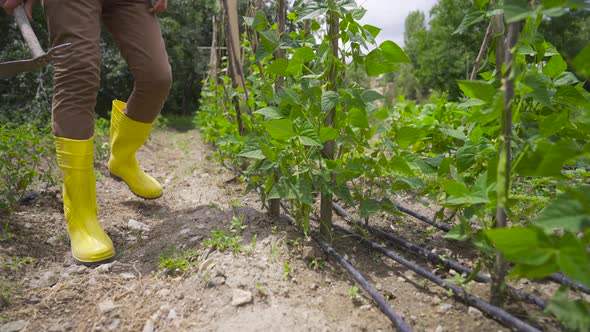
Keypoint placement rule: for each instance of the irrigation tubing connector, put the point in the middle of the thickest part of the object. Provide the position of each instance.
(447, 263)
(498, 314)
(556, 277)
(385, 307)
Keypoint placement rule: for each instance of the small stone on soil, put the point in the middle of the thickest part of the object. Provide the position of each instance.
(365, 307)
(52, 241)
(106, 306)
(379, 287)
(127, 275)
(308, 253)
(436, 301)
(474, 312)
(33, 299)
(217, 281)
(240, 297)
(401, 279)
(148, 326)
(48, 279)
(14, 326)
(439, 329)
(135, 225)
(444, 308)
(76, 269)
(114, 324)
(163, 292)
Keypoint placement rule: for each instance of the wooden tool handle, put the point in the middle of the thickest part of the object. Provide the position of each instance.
(27, 31)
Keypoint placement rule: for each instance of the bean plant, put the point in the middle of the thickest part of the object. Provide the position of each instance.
(517, 143)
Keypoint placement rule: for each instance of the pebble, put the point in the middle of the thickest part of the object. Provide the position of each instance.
(48, 279)
(474, 312)
(13, 326)
(106, 306)
(171, 315)
(313, 286)
(308, 253)
(439, 329)
(135, 225)
(401, 279)
(53, 241)
(164, 292)
(33, 299)
(127, 275)
(76, 269)
(114, 324)
(444, 308)
(104, 268)
(148, 326)
(436, 301)
(240, 297)
(379, 287)
(215, 282)
(365, 307)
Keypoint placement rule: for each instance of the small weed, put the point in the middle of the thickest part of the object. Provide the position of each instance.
(252, 248)
(236, 224)
(236, 203)
(287, 272)
(295, 242)
(353, 292)
(316, 264)
(274, 250)
(175, 261)
(222, 241)
(261, 291)
(274, 229)
(15, 263)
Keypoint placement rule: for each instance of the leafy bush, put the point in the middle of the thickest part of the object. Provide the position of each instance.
(23, 154)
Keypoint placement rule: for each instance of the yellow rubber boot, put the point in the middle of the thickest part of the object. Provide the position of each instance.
(90, 244)
(127, 136)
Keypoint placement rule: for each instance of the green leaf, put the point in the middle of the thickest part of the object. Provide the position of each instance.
(517, 10)
(270, 113)
(373, 30)
(357, 117)
(480, 3)
(454, 188)
(478, 90)
(252, 154)
(369, 207)
(573, 314)
(572, 258)
(329, 100)
(553, 123)
(466, 156)
(407, 136)
(570, 211)
(304, 54)
(376, 63)
(582, 62)
(260, 22)
(548, 158)
(522, 245)
(473, 17)
(279, 67)
(393, 53)
(328, 134)
(569, 95)
(400, 165)
(565, 78)
(371, 95)
(343, 193)
(458, 233)
(555, 66)
(270, 40)
(540, 92)
(309, 137)
(280, 129)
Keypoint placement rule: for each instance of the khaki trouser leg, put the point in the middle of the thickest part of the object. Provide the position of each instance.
(77, 78)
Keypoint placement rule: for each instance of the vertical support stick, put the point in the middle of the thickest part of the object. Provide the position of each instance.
(504, 162)
(275, 204)
(213, 65)
(329, 146)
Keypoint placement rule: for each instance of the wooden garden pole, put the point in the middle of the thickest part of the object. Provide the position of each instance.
(504, 161)
(213, 65)
(328, 151)
(275, 204)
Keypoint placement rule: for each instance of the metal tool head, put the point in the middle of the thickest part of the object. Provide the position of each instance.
(12, 68)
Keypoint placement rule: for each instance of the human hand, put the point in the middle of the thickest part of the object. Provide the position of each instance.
(159, 6)
(9, 5)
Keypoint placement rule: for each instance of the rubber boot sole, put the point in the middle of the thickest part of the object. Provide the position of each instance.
(118, 179)
(91, 264)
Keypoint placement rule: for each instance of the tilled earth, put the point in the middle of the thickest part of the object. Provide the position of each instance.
(278, 281)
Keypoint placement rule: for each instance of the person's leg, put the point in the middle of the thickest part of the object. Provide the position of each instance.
(76, 84)
(138, 35)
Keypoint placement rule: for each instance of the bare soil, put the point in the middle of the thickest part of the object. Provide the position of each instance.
(51, 293)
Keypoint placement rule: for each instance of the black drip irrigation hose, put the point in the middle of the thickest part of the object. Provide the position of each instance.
(556, 277)
(447, 263)
(496, 313)
(385, 307)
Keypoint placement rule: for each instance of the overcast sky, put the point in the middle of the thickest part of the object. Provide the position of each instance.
(390, 16)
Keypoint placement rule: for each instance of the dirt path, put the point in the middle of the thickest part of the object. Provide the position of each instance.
(278, 281)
